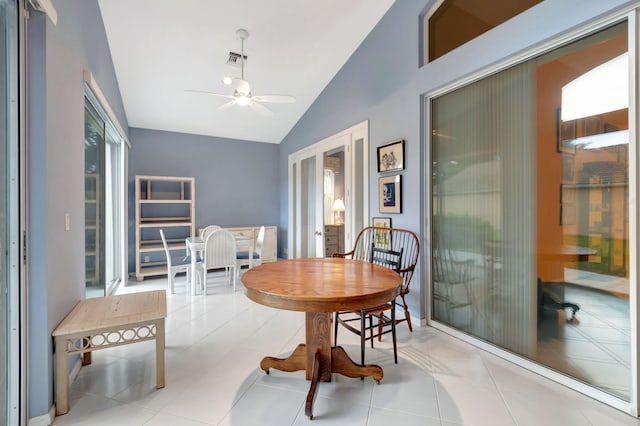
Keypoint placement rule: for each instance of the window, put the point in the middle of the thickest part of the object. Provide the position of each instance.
(104, 200)
(530, 210)
(455, 22)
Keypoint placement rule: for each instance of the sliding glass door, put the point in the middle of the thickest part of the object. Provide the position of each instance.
(10, 388)
(530, 210)
(94, 143)
(104, 198)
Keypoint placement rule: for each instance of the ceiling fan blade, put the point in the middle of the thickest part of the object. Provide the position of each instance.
(209, 93)
(225, 106)
(260, 108)
(279, 99)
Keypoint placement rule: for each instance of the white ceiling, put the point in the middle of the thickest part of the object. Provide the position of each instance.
(295, 47)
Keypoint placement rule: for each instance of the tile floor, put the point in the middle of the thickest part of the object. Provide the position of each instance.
(215, 343)
(595, 346)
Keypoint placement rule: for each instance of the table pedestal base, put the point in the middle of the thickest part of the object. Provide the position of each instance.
(320, 370)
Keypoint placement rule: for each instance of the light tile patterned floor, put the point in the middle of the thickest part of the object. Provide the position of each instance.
(215, 343)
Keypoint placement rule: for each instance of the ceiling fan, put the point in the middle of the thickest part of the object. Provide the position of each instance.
(242, 95)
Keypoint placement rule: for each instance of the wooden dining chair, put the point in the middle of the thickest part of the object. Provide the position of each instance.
(384, 314)
(386, 246)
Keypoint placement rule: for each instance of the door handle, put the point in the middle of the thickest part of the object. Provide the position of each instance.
(318, 233)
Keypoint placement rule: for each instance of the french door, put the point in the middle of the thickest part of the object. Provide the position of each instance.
(328, 198)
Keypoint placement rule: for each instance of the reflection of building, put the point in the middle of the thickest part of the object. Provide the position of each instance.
(601, 200)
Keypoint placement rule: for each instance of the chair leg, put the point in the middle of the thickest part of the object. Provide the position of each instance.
(204, 281)
(335, 330)
(170, 285)
(363, 320)
(371, 329)
(393, 333)
(407, 316)
(234, 277)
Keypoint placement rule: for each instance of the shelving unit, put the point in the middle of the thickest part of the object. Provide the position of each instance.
(162, 202)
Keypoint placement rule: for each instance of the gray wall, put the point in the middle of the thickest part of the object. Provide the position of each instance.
(236, 181)
(383, 83)
(57, 57)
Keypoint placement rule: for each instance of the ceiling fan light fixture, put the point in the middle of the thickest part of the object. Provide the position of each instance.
(243, 100)
(242, 95)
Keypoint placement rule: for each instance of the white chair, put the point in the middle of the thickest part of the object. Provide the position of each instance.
(219, 252)
(175, 265)
(256, 259)
(208, 230)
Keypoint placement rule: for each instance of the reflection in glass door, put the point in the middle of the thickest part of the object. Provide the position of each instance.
(94, 145)
(333, 200)
(530, 211)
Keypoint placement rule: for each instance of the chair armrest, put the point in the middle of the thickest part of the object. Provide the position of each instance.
(453, 270)
(343, 255)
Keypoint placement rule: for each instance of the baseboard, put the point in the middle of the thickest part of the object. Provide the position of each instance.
(47, 419)
(43, 420)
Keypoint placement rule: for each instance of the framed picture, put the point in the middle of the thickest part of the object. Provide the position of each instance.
(567, 214)
(382, 238)
(391, 157)
(566, 133)
(390, 194)
(567, 194)
(381, 222)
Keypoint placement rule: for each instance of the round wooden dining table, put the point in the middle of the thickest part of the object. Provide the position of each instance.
(319, 287)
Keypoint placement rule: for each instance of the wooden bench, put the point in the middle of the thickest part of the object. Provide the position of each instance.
(105, 322)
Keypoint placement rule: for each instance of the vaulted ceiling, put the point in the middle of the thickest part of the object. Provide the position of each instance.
(161, 49)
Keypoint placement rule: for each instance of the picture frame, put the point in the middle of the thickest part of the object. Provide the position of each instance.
(567, 194)
(381, 222)
(382, 238)
(565, 134)
(390, 194)
(567, 214)
(391, 156)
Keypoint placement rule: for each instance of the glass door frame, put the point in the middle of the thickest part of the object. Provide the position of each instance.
(16, 218)
(114, 135)
(632, 15)
(356, 133)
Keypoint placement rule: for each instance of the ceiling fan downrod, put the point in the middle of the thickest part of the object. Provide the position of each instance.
(242, 35)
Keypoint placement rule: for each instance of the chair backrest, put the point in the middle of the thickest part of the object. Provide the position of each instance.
(219, 249)
(393, 239)
(259, 242)
(391, 259)
(166, 249)
(208, 230)
(447, 268)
